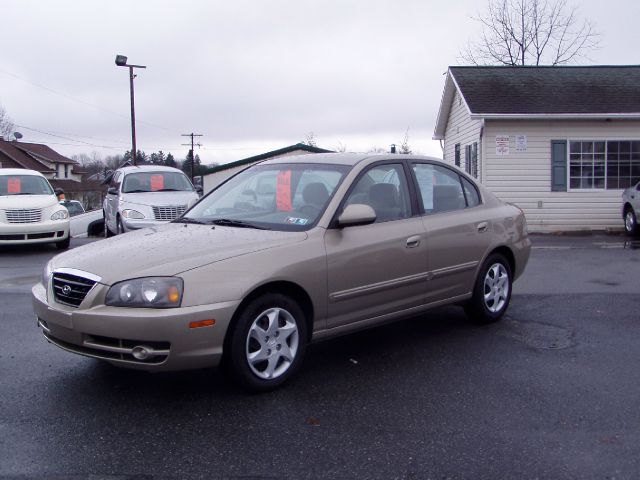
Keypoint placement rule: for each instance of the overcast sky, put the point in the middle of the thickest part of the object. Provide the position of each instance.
(251, 76)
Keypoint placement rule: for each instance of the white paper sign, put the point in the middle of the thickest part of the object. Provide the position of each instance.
(502, 144)
(521, 143)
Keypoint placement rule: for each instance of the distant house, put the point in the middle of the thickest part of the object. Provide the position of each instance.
(218, 174)
(559, 142)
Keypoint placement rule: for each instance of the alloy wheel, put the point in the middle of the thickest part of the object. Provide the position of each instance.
(496, 287)
(272, 343)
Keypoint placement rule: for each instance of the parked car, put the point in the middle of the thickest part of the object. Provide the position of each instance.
(269, 261)
(146, 196)
(631, 208)
(29, 210)
(73, 206)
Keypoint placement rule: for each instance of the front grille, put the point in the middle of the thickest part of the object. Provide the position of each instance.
(169, 212)
(70, 289)
(24, 215)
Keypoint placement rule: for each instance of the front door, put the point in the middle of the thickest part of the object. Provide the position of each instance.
(377, 269)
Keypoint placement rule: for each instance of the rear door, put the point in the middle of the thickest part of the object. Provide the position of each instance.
(458, 235)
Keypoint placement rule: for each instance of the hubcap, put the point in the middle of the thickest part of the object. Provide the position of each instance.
(496, 287)
(272, 343)
(629, 221)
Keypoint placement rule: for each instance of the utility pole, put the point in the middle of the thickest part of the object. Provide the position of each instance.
(193, 157)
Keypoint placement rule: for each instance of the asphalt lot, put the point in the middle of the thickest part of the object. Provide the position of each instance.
(551, 391)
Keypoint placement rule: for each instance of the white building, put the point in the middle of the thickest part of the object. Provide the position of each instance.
(560, 142)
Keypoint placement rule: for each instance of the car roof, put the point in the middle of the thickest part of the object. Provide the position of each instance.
(148, 168)
(19, 171)
(350, 159)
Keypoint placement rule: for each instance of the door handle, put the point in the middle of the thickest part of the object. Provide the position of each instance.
(413, 242)
(482, 227)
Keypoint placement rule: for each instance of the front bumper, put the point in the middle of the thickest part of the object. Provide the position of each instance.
(113, 333)
(130, 224)
(26, 233)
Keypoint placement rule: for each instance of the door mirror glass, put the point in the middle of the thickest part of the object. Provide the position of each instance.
(356, 214)
(112, 191)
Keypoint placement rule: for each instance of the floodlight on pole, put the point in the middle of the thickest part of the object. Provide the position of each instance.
(121, 61)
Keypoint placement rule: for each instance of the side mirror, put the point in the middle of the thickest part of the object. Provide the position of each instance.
(112, 191)
(199, 190)
(356, 214)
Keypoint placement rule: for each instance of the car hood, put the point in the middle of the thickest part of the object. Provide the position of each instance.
(169, 249)
(27, 201)
(160, 198)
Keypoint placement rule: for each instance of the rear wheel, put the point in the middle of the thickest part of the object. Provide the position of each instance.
(492, 290)
(630, 222)
(266, 343)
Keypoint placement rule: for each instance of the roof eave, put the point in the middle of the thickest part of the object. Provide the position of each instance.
(554, 116)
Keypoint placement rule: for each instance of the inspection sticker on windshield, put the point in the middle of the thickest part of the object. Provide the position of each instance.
(296, 221)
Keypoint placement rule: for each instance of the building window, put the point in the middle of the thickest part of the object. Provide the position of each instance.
(457, 154)
(601, 164)
(66, 170)
(471, 159)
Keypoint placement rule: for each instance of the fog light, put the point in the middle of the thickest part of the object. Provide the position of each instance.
(141, 352)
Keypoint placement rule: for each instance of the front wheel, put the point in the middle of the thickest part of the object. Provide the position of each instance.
(266, 343)
(492, 290)
(64, 244)
(631, 222)
(107, 231)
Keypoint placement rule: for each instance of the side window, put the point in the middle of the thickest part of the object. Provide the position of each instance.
(115, 180)
(385, 189)
(457, 155)
(440, 188)
(471, 193)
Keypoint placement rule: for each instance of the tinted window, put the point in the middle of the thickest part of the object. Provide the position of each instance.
(385, 189)
(439, 187)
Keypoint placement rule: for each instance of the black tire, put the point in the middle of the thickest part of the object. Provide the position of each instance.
(119, 226)
(107, 233)
(63, 244)
(253, 376)
(631, 222)
(494, 278)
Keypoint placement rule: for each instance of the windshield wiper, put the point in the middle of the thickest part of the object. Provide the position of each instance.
(170, 190)
(227, 222)
(136, 191)
(195, 221)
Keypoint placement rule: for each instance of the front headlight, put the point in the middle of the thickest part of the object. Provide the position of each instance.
(134, 214)
(150, 292)
(46, 275)
(60, 215)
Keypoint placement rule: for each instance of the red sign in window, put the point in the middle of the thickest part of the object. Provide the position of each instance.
(283, 191)
(157, 182)
(13, 185)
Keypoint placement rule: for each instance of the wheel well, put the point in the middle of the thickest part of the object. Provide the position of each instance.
(627, 207)
(508, 254)
(290, 289)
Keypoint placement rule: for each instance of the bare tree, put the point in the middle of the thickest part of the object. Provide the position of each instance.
(6, 125)
(404, 147)
(341, 147)
(531, 32)
(310, 140)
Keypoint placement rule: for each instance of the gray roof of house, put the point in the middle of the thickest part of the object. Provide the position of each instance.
(550, 90)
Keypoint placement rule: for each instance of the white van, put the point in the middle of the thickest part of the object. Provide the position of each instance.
(29, 210)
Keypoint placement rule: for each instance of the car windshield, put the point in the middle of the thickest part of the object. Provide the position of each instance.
(274, 197)
(75, 208)
(24, 185)
(159, 181)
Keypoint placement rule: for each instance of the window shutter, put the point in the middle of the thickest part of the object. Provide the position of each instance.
(558, 165)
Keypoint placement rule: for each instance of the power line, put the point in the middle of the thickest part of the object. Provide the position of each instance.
(69, 97)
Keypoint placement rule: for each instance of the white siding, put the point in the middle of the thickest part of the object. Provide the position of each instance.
(461, 129)
(524, 178)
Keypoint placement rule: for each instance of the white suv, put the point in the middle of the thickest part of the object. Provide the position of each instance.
(29, 210)
(144, 196)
